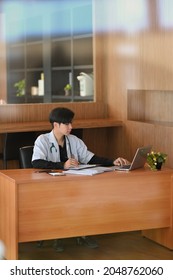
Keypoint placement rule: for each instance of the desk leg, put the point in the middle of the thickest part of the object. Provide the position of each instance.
(8, 218)
(163, 236)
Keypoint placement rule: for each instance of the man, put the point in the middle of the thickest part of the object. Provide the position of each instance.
(59, 149)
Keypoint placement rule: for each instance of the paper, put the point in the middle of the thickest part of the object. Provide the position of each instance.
(89, 171)
(82, 172)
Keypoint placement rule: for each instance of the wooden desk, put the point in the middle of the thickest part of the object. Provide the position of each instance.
(37, 206)
(45, 125)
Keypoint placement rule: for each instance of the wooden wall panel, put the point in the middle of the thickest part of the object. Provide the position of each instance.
(40, 112)
(140, 58)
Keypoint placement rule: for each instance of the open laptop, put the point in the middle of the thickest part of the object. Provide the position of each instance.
(138, 161)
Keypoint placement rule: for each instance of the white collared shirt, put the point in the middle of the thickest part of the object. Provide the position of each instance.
(47, 148)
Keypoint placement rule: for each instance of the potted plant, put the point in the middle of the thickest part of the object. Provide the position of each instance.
(67, 89)
(20, 86)
(156, 159)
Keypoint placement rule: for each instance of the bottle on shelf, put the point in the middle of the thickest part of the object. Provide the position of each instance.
(41, 85)
(34, 91)
(85, 84)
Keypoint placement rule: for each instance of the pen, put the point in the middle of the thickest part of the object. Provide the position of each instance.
(45, 171)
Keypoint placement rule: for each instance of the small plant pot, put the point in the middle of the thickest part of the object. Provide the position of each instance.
(67, 92)
(159, 165)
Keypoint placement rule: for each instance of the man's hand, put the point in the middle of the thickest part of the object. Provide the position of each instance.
(71, 162)
(121, 161)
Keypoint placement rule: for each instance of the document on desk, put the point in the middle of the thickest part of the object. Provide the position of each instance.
(89, 171)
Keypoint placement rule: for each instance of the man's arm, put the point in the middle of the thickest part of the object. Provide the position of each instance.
(40, 163)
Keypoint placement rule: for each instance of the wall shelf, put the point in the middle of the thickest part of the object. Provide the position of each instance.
(54, 42)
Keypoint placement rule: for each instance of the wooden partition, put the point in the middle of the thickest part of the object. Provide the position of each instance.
(138, 65)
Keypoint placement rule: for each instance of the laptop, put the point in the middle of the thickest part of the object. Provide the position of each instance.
(138, 161)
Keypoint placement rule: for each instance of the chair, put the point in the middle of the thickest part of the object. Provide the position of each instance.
(12, 144)
(1, 156)
(25, 156)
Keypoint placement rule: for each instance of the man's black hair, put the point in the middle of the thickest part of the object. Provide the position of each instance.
(61, 115)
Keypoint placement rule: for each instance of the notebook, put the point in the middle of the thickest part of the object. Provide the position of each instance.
(138, 161)
(86, 171)
(89, 171)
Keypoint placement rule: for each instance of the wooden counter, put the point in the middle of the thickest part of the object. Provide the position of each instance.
(45, 125)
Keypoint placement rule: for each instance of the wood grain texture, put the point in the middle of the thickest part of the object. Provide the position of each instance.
(138, 67)
(40, 112)
(45, 125)
(45, 207)
(163, 236)
(9, 217)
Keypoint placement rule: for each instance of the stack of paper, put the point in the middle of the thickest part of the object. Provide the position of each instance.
(89, 171)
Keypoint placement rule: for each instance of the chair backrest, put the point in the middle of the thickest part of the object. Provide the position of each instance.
(25, 154)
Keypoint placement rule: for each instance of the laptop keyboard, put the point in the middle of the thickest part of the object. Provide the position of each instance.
(125, 166)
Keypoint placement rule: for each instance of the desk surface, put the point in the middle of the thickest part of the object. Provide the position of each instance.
(38, 206)
(34, 175)
(45, 125)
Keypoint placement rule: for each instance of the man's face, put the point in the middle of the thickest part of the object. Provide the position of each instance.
(63, 128)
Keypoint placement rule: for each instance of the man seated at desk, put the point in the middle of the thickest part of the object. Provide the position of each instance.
(59, 149)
